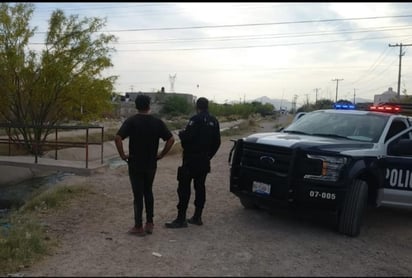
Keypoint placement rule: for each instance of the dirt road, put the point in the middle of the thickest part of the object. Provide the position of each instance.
(232, 242)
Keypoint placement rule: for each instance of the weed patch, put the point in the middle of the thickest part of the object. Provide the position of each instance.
(23, 240)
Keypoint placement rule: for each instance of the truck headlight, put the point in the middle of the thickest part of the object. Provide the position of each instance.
(331, 167)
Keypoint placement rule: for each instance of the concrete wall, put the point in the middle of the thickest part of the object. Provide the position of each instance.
(12, 174)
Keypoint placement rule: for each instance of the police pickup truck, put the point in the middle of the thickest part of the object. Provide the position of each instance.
(337, 160)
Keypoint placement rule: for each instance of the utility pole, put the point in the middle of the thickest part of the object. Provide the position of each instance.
(294, 104)
(400, 65)
(354, 95)
(316, 98)
(307, 99)
(281, 101)
(337, 82)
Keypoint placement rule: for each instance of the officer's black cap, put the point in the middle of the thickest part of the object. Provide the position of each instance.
(202, 103)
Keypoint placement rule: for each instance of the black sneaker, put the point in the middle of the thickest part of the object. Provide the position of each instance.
(195, 221)
(176, 224)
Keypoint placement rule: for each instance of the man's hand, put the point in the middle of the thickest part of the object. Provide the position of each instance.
(119, 146)
(167, 147)
(125, 157)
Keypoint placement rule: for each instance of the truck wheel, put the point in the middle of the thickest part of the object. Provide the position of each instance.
(247, 204)
(351, 214)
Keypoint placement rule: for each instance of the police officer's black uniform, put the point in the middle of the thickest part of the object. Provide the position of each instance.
(200, 141)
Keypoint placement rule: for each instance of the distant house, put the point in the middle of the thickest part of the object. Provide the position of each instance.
(127, 105)
(387, 96)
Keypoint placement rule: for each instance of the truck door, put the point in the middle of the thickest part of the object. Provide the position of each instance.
(397, 169)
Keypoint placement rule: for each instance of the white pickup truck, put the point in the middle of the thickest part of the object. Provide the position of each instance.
(340, 160)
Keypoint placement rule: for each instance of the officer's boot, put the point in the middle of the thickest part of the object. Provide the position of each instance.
(179, 222)
(197, 217)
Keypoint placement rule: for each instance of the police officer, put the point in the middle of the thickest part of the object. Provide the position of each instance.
(200, 141)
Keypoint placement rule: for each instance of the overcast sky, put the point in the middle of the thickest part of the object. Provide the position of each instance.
(241, 51)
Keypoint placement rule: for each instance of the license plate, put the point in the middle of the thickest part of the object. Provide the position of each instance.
(261, 188)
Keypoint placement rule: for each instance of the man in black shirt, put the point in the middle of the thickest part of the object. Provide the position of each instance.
(200, 141)
(144, 132)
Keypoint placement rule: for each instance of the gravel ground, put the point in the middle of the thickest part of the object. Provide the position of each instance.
(232, 242)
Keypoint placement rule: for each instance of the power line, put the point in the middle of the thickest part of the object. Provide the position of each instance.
(377, 75)
(253, 46)
(250, 24)
(371, 68)
(257, 37)
(95, 6)
(269, 36)
(257, 24)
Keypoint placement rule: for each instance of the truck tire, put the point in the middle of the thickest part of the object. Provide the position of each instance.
(248, 204)
(351, 214)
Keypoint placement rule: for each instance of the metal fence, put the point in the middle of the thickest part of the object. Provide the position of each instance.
(55, 144)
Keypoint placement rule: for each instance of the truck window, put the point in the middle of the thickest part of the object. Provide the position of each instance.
(396, 127)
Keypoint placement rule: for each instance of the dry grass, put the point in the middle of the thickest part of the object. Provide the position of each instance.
(23, 240)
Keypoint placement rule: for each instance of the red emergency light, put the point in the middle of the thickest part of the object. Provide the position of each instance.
(385, 108)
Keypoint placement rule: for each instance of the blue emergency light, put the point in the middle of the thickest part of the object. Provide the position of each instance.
(345, 106)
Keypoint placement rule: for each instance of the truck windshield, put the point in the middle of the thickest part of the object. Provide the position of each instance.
(353, 126)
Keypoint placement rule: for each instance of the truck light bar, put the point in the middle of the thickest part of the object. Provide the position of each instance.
(344, 105)
(385, 108)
